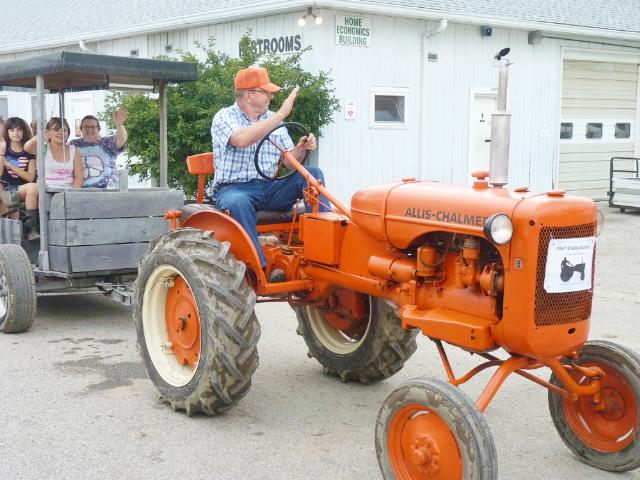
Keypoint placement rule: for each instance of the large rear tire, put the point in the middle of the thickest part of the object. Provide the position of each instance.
(366, 348)
(428, 429)
(606, 439)
(17, 290)
(195, 322)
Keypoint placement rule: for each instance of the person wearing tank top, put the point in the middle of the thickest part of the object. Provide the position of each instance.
(61, 162)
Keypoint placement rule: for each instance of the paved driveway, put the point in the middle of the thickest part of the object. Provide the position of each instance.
(77, 404)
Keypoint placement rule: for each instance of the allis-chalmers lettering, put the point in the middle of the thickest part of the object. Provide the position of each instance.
(445, 216)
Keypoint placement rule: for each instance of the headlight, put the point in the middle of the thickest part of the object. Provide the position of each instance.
(599, 222)
(498, 228)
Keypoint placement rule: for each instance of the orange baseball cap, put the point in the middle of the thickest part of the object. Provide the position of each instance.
(254, 77)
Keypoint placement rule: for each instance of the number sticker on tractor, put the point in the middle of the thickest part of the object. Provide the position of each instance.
(569, 264)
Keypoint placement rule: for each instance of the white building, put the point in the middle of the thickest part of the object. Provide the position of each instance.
(415, 79)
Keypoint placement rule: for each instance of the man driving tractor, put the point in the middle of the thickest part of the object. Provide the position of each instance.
(235, 132)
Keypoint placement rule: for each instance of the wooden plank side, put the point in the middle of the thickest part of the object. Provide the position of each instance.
(76, 204)
(105, 257)
(59, 259)
(105, 231)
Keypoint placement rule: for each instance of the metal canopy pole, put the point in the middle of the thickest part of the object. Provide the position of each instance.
(163, 133)
(43, 255)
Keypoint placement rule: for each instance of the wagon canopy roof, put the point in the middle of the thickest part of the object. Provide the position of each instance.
(74, 71)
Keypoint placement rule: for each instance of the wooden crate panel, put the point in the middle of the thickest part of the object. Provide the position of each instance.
(114, 204)
(96, 257)
(105, 231)
(10, 231)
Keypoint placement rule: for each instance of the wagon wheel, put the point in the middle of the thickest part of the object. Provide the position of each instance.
(17, 290)
(356, 336)
(606, 439)
(281, 170)
(195, 321)
(428, 429)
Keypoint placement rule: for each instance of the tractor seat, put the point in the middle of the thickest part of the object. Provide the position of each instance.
(202, 165)
(264, 217)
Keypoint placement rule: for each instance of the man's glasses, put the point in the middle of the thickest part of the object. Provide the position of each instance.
(89, 127)
(259, 91)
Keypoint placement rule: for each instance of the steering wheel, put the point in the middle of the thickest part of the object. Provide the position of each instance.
(281, 170)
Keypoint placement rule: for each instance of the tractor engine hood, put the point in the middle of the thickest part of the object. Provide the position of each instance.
(401, 212)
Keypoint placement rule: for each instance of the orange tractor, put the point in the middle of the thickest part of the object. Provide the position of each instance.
(475, 267)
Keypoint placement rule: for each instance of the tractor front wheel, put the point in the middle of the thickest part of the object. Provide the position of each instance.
(195, 321)
(428, 429)
(605, 434)
(356, 336)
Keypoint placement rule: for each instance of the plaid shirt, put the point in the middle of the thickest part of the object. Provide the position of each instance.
(235, 165)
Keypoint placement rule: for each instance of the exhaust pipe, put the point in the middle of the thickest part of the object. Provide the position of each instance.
(500, 127)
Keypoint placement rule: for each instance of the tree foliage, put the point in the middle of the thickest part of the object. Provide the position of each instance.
(192, 105)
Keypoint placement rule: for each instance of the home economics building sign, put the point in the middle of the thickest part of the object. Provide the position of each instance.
(353, 31)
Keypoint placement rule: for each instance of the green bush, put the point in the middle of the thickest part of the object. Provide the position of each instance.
(193, 104)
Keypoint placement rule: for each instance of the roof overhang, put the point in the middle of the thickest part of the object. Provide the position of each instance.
(259, 9)
(74, 71)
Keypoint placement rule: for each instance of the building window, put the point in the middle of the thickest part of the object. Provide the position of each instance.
(389, 107)
(623, 130)
(4, 107)
(594, 130)
(566, 130)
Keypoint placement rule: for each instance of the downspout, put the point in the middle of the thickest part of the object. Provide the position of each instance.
(442, 26)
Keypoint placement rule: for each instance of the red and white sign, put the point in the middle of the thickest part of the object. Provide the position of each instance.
(350, 111)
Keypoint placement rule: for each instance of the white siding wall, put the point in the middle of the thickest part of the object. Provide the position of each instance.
(351, 152)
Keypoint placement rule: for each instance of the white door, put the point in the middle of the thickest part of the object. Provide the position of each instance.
(483, 105)
(81, 105)
(597, 123)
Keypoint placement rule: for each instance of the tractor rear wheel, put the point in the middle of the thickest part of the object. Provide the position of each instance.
(606, 439)
(17, 290)
(195, 322)
(356, 336)
(428, 429)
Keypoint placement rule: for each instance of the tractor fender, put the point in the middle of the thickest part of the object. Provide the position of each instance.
(226, 229)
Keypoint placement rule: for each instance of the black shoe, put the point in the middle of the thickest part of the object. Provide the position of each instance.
(277, 276)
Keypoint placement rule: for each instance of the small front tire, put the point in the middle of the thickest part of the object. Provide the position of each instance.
(606, 439)
(430, 429)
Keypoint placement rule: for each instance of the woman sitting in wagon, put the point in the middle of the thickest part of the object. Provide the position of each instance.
(61, 162)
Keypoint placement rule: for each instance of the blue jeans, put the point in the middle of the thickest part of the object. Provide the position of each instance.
(243, 200)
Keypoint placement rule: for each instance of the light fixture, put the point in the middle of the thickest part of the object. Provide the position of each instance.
(535, 37)
(317, 19)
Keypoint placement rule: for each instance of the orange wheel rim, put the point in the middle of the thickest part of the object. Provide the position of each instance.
(613, 428)
(183, 323)
(422, 446)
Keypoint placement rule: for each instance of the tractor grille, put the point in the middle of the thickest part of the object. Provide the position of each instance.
(567, 307)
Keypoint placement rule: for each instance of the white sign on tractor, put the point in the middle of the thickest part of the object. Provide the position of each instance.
(569, 264)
